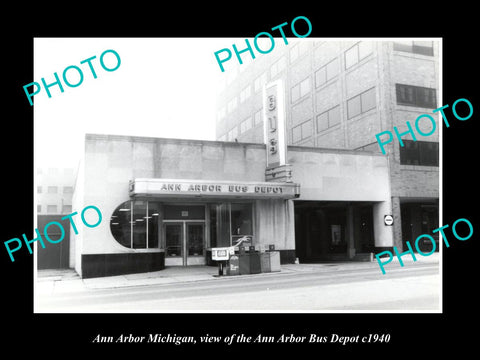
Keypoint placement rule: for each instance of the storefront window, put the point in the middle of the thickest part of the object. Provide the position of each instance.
(241, 223)
(230, 222)
(220, 225)
(134, 224)
(139, 224)
(152, 221)
(120, 224)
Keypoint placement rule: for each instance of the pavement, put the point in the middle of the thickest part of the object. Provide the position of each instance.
(62, 281)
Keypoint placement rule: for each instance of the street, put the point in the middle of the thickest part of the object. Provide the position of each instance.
(323, 288)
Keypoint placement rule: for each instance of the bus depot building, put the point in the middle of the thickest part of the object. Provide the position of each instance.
(167, 202)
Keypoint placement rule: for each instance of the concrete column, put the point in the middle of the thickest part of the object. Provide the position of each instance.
(289, 224)
(397, 224)
(350, 233)
(382, 233)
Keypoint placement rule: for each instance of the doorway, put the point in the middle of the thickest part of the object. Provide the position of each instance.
(184, 242)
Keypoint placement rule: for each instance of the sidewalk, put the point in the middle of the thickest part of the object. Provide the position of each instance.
(59, 281)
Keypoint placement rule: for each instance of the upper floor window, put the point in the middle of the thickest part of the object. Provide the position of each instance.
(419, 153)
(327, 72)
(257, 117)
(357, 52)
(246, 125)
(301, 89)
(259, 82)
(302, 131)
(278, 67)
(416, 96)
(328, 118)
(361, 103)
(415, 47)
(245, 94)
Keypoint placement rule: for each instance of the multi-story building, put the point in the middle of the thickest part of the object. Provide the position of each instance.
(54, 190)
(339, 95)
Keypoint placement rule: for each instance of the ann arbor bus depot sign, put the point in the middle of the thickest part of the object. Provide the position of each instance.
(208, 188)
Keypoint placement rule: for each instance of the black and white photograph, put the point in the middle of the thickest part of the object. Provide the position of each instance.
(264, 190)
(218, 181)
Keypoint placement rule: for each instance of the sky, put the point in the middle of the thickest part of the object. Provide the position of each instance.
(164, 87)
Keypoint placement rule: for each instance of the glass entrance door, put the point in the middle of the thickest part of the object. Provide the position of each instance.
(195, 243)
(174, 253)
(184, 243)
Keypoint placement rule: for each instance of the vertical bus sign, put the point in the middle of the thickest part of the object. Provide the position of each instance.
(274, 124)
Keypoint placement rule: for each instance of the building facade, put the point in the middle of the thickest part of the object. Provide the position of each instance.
(167, 202)
(340, 94)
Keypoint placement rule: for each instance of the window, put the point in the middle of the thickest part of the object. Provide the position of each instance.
(416, 96)
(245, 94)
(257, 118)
(52, 189)
(67, 189)
(357, 53)
(328, 119)
(365, 48)
(259, 82)
(300, 90)
(232, 104)
(415, 47)
(134, 224)
(220, 225)
(241, 221)
(66, 209)
(52, 209)
(39, 189)
(294, 52)
(221, 113)
(246, 125)
(361, 103)
(139, 230)
(423, 153)
(278, 67)
(326, 72)
(351, 57)
(353, 107)
(368, 100)
(232, 134)
(297, 50)
(230, 222)
(302, 131)
(321, 76)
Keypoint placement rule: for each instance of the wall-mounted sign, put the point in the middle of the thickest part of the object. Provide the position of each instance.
(388, 220)
(209, 188)
(274, 123)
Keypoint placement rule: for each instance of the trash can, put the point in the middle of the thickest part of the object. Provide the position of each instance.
(255, 267)
(274, 261)
(233, 267)
(265, 262)
(244, 263)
